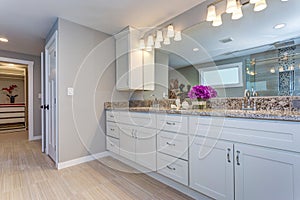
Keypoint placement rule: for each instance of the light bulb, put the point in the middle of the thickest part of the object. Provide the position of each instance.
(167, 41)
(231, 6)
(177, 36)
(217, 21)
(142, 44)
(211, 13)
(170, 32)
(238, 13)
(260, 5)
(159, 36)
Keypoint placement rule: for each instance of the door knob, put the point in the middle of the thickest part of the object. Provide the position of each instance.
(46, 107)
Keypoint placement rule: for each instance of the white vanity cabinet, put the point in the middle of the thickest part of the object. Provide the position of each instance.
(134, 67)
(138, 143)
(247, 171)
(112, 132)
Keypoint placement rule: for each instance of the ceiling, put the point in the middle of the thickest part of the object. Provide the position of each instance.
(255, 29)
(26, 23)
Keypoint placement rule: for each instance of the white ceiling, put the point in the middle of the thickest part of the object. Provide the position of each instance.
(253, 30)
(26, 23)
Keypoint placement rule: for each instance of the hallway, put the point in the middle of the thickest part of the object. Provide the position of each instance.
(28, 174)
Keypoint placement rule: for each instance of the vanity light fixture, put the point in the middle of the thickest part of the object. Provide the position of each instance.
(157, 44)
(142, 44)
(167, 41)
(231, 6)
(211, 13)
(238, 13)
(177, 36)
(234, 7)
(3, 39)
(279, 26)
(217, 21)
(159, 36)
(260, 5)
(170, 32)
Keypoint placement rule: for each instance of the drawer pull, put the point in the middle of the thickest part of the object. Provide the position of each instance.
(228, 155)
(238, 157)
(171, 144)
(111, 144)
(171, 168)
(171, 123)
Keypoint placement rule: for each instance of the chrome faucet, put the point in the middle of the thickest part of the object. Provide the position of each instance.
(155, 103)
(247, 96)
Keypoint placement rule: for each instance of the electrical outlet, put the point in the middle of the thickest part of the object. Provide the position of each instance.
(70, 91)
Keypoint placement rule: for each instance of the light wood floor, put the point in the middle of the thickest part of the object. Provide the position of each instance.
(26, 173)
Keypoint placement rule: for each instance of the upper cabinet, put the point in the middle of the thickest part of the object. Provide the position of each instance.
(134, 67)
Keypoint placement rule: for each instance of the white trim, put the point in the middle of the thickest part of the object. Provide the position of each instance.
(30, 90)
(81, 160)
(37, 137)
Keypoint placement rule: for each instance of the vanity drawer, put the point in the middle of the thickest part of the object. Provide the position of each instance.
(112, 130)
(111, 115)
(113, 145)
(173, 168)
(173, 123)
(173, 144)
(147, 120)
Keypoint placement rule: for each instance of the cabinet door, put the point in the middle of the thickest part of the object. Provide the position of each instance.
(127, 142)
(122, 62)
(267, 174)
(146, 148)
(211, 168)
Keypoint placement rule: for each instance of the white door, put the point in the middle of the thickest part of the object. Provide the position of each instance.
(127, 142)
(211, 168)
(51, 97)
(267, 174)
(42, 104)
(146, 148)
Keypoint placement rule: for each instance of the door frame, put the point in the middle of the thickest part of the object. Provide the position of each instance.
(54, 38)
(30, 93)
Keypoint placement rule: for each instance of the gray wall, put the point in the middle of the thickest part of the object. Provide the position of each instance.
(86, 62)
(36, 85)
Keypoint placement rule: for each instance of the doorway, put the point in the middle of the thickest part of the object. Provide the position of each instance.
(16, 113)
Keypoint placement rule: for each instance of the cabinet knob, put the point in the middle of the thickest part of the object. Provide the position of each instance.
(171, 123)
(171, 144)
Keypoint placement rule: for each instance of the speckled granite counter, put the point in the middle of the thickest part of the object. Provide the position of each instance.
(262, 114)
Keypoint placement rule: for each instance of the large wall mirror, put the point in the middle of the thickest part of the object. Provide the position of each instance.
(268, 55)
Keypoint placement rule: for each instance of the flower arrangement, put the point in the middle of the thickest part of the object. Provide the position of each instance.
(202, 92)
(9, 90)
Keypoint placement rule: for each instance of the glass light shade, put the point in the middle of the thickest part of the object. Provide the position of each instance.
(157, 44)
(217, 21)
(150, 40)
(231, 6)
(170, 32)
(238, 13)
(177, 36)
(142, 44)
(260, 5)
(159, 36)
(254, 1)
(167, 41)
(149, 48)
(211, 13)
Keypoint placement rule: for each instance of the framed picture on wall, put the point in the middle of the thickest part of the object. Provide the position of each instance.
(223, 76)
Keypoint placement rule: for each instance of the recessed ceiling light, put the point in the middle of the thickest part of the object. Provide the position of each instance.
(279, 26)
(195, 49)
(2, 39)
(284, 0)
(11, 65)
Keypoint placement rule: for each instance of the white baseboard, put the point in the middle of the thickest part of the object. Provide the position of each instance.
(35, 138)
(81, 160)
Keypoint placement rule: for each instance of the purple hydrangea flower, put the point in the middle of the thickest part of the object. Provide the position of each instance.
(202, 92)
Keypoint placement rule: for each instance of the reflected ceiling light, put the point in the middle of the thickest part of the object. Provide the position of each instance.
(254, 1)
(2, 39)
(217, 21)
(281, 69)
(279, 26)
(170, 32)
(272, 70)
(150, 40)
(260, 5)
(157, 44)
(177, 36)
(196, 49)
(211, 13)
(284, 0)
(231, 6)
(238, 13)
(167, 41)
(142, 44)
(159, 36)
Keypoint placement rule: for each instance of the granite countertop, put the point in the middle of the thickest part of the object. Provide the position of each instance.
(261, 114)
